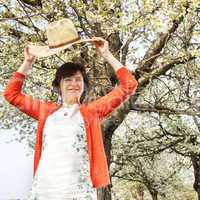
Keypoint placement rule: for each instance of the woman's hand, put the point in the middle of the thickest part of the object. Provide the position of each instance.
(102, 46)
(28, 57)
(103, 50)
(29, 60)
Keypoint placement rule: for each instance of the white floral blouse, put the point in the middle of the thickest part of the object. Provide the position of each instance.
(63, 170)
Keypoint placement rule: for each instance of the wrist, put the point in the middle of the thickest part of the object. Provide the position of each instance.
(27, 63)
(110, 58)
(107, 55)
(25, 67)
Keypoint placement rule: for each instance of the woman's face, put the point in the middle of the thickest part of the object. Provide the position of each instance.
(72, 87)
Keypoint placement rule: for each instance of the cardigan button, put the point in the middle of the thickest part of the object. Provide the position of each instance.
(65, 114)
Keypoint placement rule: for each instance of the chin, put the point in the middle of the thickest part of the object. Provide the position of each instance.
(76, 96)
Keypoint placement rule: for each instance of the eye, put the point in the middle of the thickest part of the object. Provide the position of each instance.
(67, 79)
(79, 79)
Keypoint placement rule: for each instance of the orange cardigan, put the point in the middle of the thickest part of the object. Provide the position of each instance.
(93, 113)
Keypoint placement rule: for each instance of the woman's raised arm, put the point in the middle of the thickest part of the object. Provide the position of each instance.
(29, 60)
(13, 91)
(127, 84)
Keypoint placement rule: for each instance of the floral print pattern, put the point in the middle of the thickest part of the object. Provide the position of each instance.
(83, 189)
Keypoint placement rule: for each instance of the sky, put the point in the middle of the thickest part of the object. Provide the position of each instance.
(16, 169)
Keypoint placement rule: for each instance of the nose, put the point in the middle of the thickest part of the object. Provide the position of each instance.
(74, 84)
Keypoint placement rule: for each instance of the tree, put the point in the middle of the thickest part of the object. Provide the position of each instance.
(155, 37)
(131, 161)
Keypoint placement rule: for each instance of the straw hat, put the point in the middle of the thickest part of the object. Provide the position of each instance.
(61, 34)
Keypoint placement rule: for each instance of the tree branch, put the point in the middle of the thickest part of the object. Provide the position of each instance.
(162, 109)
(80, 20)
(33, 2)
(163, 69)
(116, 119)
(158, 45)
(126, 46)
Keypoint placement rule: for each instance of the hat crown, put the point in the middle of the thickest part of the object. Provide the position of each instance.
(61, 32)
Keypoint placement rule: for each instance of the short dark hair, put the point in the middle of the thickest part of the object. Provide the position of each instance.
(69, 69)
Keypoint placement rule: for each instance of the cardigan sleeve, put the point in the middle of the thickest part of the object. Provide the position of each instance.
(25, 103)
(127, 86)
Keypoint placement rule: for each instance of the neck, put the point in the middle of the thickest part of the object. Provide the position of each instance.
(69, 100)
(70, 103)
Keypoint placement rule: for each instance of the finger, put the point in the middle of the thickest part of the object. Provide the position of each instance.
(96, 43)
(34, 59)
(30, 43)
(97, 39)
(26, 50)
(100, 39)
(101, 43)
(94, 39)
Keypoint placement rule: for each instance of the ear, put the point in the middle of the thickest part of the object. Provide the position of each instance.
(86, 86)
(59, 91)
(56, 90)
(84, 95)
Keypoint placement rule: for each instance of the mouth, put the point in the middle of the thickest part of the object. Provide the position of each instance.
(72, 90)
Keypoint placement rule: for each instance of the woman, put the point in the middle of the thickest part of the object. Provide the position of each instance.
(69, 160)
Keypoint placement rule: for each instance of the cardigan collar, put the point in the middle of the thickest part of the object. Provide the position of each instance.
(57, 106)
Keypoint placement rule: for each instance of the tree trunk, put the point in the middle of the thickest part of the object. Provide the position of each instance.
(196, 167)
(140, 192)
(108, 129)
(109, 126)
(104, 193)
(154, 195)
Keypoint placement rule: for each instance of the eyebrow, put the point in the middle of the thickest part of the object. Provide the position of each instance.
(77, 76)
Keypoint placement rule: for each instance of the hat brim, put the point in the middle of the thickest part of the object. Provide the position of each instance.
(44, 51)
